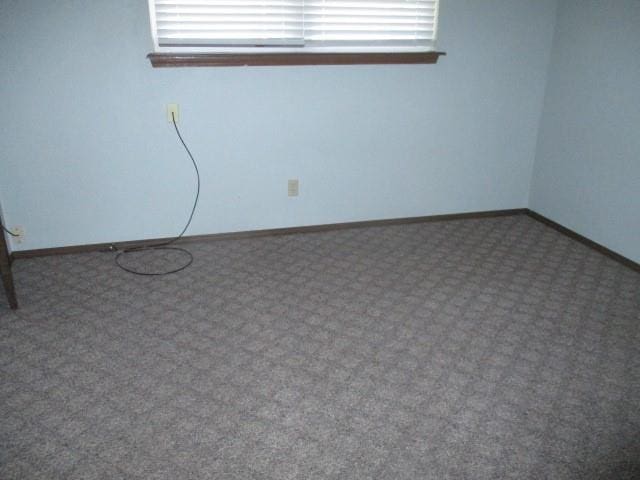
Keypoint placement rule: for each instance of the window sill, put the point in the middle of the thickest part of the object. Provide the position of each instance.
(272, 59)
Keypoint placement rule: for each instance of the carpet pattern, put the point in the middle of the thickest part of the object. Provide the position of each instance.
(480, 349)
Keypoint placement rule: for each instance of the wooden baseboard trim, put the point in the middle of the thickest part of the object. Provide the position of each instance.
(584, 240)
(21, 254)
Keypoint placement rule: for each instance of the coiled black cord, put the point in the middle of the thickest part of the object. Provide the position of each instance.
(166, 245)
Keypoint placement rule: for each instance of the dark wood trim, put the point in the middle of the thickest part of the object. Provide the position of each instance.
(584, 240)
(270, 59)
(21, 254)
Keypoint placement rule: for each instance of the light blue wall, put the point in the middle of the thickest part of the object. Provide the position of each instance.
(88, 155)
(587, 171)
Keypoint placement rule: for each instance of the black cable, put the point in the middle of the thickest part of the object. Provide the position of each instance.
(165, 245)
(8, 231)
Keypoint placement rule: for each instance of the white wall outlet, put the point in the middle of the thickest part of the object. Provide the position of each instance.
(293, 187)
(18, 231)
(173, 112)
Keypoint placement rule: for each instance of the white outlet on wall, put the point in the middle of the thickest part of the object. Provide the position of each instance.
(293, 187)
(18, 231)
(173, 112)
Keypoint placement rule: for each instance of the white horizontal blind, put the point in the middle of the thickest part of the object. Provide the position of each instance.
(370, 23)
(316, 25)
(202, 23)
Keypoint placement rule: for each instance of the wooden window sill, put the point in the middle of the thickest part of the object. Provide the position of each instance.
(272, 59)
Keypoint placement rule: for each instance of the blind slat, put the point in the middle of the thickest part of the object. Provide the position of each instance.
(208, 23)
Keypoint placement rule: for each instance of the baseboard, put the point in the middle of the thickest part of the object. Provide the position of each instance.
(94, 247)
(584, 240)
(20, 254)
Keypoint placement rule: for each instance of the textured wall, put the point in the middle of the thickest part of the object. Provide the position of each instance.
(88, 156)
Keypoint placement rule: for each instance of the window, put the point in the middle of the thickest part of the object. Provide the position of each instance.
(245, 29)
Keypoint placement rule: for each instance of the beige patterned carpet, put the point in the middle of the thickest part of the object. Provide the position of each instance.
(470, 349)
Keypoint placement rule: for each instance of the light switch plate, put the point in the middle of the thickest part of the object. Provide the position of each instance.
(293, 187)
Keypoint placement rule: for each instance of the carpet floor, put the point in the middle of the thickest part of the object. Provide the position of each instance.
(470, 349)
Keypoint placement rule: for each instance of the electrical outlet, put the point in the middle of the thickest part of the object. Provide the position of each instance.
(173, 112)
(18, 231)
(292, 187)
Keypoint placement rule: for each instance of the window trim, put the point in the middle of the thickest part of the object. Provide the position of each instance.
(315, 53)
(161, 60)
